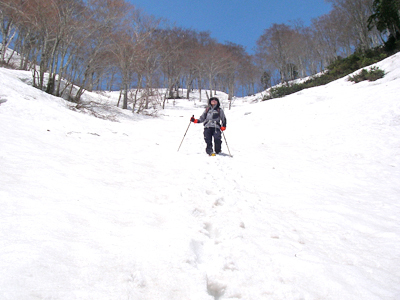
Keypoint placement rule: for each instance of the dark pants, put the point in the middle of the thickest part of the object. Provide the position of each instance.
(209, 133)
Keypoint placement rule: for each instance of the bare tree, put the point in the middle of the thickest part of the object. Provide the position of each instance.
(327, 32)
(357, 12)
(103, 20)
(237, 61)
(134, 52)
(277, 45)
(8, 18)
(190, 48)
(215, 63)
(172, 57)
(199, 57)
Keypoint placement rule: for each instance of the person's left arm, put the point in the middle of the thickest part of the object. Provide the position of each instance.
(223, 118)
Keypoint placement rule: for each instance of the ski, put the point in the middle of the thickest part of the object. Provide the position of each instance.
(220, 154)
(224, 154)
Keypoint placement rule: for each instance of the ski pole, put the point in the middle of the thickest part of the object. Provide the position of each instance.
(226, 144)
(185, 134)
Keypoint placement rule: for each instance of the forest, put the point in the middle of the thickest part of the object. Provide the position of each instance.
(76, 45)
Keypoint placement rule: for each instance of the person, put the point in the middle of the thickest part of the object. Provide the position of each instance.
(214, 121)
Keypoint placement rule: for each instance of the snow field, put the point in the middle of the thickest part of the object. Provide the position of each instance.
(307, 208)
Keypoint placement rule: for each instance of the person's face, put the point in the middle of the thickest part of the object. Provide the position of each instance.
(213, 102)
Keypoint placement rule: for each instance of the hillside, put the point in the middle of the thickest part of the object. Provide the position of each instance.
(307, 207)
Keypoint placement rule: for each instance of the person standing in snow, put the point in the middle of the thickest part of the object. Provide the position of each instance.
(214, 123)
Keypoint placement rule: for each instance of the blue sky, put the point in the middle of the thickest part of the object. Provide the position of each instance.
(238, 21)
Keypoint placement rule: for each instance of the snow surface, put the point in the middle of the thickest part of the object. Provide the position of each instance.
(307, 208)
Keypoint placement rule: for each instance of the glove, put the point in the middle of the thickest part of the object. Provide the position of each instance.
(223, 128)
(192, 119)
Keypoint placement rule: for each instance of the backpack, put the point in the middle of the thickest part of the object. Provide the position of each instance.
(219, 112)
(218, 109)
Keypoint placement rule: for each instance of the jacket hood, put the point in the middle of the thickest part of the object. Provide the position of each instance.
(214, 98)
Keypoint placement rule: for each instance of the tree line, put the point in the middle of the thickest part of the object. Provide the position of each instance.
(291, 51)
(78, 45)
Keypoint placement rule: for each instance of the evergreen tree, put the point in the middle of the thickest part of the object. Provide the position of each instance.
(386, 17)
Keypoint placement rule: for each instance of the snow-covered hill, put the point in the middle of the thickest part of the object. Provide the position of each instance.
(307, 208)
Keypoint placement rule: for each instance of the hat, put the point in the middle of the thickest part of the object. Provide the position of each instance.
(214, 98)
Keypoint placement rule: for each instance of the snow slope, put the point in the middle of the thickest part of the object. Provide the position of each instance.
(307, 208)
